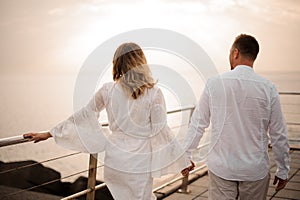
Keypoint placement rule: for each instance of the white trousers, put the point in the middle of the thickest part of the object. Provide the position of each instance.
(221, 189)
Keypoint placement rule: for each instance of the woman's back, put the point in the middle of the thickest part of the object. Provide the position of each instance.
(126, 114)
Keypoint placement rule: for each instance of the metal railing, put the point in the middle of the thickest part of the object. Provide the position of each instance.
(92, 187)
(290, 103)
(296, 104)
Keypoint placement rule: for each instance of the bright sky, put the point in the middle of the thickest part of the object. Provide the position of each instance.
(58, 35)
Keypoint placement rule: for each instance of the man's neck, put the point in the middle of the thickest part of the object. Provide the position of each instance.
(245, 62)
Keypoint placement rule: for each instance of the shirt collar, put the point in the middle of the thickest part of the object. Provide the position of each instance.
(243, 67)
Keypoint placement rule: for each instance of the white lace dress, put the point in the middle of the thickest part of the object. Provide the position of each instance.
(138, 147)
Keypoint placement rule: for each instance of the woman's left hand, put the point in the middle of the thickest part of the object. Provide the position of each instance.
(186, 171)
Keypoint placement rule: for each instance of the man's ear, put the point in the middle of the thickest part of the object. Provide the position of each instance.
(236, 53)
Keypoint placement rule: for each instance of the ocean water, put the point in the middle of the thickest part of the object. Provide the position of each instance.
(38, 102)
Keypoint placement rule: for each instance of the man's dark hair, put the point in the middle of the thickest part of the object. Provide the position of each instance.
(247, 45)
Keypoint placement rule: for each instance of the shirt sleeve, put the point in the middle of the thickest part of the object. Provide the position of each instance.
(279, 139)
(82, 130)
(168, 156)
(199, 121)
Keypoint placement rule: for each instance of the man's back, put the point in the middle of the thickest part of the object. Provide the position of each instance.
(240, 107)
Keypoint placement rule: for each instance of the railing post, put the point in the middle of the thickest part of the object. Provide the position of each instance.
(184, 186)
(185, 180)
(92, 176)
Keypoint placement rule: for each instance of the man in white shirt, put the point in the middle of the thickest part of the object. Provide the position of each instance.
(242, 107)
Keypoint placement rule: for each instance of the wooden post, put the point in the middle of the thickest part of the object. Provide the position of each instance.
(92, 176)
(184, 185)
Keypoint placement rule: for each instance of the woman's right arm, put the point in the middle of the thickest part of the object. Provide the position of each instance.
(81, 131)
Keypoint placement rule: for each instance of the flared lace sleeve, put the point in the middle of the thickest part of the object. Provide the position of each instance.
(168, 156)
(82, 130)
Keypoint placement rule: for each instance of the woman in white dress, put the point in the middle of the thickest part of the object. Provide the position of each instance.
(140, 145)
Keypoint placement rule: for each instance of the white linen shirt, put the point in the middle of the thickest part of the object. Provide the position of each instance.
(241, 107)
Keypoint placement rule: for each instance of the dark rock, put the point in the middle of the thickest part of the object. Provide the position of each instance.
(9, 193)
(34, 175)
(37, 175)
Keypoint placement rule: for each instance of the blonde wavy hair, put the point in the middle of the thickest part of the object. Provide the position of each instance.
(131, 70)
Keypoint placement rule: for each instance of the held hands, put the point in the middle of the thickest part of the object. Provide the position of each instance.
(37, 137)
(186, 171)
(281, 183)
